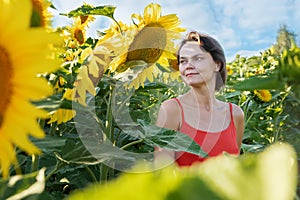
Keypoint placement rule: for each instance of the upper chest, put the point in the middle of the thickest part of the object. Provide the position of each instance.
(214, 120)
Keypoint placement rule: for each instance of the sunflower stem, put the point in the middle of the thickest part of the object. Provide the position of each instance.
(56, 168)
(118, 25)
(131, 144)
(34, 157)
(34, 162)
(41, 122)
(52, 129)
(109, 117)
(17, 168)
(92, 175)
(103, 173)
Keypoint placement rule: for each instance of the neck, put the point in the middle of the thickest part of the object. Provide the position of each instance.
(203, 98)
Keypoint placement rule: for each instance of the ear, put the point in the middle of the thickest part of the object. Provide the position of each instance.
(218, 66)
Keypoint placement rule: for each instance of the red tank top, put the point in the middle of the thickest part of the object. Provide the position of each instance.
(213, 143)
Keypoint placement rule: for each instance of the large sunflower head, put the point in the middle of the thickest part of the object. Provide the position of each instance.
(151, 39)
(40, 16)
(23, 58)
(148, 44)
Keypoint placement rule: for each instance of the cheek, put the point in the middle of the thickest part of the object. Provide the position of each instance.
(181, 69)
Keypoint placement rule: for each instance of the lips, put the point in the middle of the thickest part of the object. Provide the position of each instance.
(191, 74)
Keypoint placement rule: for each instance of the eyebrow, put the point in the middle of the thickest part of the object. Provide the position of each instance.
(194, 56)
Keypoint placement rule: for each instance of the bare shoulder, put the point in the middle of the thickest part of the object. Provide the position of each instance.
(238, 117)
(237, 112)
(169, 115)
(171, 106)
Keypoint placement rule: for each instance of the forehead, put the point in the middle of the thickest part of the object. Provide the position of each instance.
(191, 48)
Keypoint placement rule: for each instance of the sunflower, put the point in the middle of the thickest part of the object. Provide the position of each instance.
(63, 115)
(23, 57)
(87, 79)
(263, 95)
(40, 16)
(88, 76)
(229, 70)
(78, 32)
(150, 39)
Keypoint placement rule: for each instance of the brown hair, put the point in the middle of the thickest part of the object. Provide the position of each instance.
(212, 46)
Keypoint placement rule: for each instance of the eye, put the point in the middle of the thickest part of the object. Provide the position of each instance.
(183, 61)
(198, 58)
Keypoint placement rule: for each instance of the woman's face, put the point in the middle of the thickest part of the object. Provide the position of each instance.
(196, 65)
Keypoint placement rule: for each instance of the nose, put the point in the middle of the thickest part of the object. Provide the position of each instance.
(190, 65)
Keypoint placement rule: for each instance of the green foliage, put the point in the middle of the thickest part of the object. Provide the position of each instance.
(261, 82)
(285, 74)
(169, 139)
(86, 10)
(266, 122)
(267, 175)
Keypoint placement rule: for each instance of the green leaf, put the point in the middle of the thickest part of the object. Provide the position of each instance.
(21, 186)
(49, 143)
(76, 153)
(163, 69)
(50, 103)
(260, 83)
(169, 139)
(90, 10)
(54, 102)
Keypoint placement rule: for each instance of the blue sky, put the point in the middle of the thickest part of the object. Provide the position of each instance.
(241, 26)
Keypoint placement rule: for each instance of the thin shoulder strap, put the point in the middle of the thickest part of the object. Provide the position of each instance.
(181, 109)
(231, 115)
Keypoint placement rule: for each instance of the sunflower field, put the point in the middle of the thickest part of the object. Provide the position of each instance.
(77, 114)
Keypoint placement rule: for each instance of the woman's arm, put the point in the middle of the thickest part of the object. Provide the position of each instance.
(169, 117)
(238, 116)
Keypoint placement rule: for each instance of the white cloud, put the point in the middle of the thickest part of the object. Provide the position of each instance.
(246, 24)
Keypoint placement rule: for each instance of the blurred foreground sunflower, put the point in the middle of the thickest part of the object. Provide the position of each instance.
(22, 58)
(150, 40)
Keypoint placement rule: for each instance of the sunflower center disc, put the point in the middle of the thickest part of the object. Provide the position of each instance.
(149, 44)
(5, 85)
(79, 36)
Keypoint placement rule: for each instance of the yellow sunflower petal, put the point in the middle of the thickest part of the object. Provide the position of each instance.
(84, 82)
(64, 115)
(25, 53)
(36, 88)
(152, 12)
(7, 152)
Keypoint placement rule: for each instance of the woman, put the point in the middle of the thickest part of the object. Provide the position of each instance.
(215, 125)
